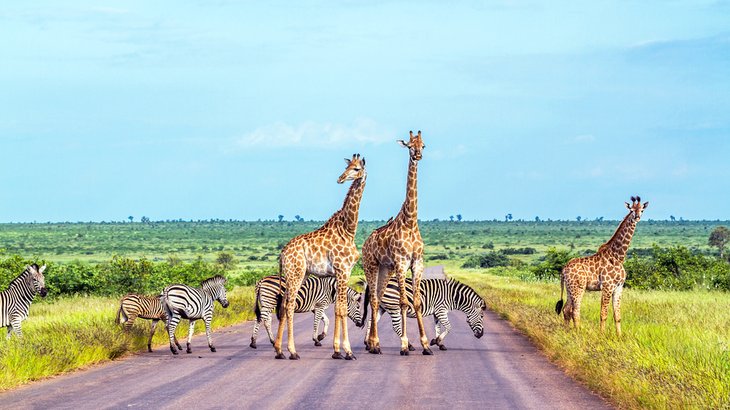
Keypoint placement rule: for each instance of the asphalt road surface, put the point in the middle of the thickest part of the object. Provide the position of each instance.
(502, 370)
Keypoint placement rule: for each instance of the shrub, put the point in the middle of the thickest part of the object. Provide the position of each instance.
(550, 265)
(488, 260)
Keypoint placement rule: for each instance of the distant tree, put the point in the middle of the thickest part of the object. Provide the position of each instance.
(719, 238)
(145, 220)
(578, 218)
(458, 217)
(131, 218)
(508, 217)
(537, 219)
(298, 218)
(672, 218)
(452, 218)
(225, 259)
(599, 219)
(281, 218)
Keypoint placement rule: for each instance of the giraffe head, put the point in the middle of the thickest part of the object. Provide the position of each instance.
(636, 207)
(355, 169)
(415, 146)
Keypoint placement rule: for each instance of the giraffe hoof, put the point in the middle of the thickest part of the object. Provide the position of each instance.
(149, 348)
(253, 345)
(172, 349)
(321, 336)
(337, 355)
(375, 350)
(442, 347)
(433, 342)
(294, 356)
(179, 347)
(404, 352)
(350, 356)
(279, 356)
(411, 348)
(427, 352)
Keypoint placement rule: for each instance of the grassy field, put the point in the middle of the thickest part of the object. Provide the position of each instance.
(71, 333)
(674, 351)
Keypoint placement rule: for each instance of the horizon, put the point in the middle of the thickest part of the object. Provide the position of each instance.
(244, 111)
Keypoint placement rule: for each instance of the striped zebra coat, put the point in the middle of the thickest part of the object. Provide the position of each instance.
(16, 299)
(187, 302)
(438, 297)
(133, 306)
(315, 295)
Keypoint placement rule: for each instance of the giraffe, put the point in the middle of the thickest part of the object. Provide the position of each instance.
(393, 249)
(602, 271)
(327, 251)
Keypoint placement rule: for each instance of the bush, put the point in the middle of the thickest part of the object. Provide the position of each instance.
(518, 251)
(550, 265)
(676, 268)
(488, 260)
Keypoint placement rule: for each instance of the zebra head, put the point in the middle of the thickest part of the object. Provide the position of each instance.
(353, 306)
(215, 287)
(473, 306)
(39, 281)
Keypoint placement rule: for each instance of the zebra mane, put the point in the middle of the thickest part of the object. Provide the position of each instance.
(456, 285)
(215, 280)
(22, 277)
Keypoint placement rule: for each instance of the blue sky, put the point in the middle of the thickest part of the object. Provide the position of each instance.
(245, 110)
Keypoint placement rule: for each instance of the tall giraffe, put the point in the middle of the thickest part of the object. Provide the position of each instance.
(393, 249)
(328, 251)
(603, 271)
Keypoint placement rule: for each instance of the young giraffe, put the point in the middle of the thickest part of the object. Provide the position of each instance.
(328, 251)
(393, 249)
(603, 271)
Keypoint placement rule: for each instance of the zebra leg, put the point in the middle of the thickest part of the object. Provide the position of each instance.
(208, 332)
(10, 330)
(153, 326)
(326, 322)
(167, 329)
(129, 322)
(172, 322)
(16, 326)
(254, 334)
(401, 276)
(191, 329)
(417, 271)
(443, 326)
(318, 315)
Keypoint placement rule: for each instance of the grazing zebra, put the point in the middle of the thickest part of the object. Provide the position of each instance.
(16, 299)
(133, 306)
(186, 302)
(438, 297)
(315, 295)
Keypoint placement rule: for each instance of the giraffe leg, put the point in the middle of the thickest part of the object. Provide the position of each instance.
(401, 276)
(617, 308)
(417, 271)
(376, 295)
(577, 298)
(341, 317)
(606, 293)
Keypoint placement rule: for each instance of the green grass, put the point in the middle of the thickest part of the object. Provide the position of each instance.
(673, 353)
(72, 333)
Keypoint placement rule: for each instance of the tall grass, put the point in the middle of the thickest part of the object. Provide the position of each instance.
(673, 353)
(71, 333)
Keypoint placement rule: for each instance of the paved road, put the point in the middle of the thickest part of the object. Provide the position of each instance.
(501, 370)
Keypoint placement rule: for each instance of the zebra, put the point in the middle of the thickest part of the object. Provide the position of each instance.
(16, 299)
(315, 295)
(133, 306)
(186, 302)
(439, 296)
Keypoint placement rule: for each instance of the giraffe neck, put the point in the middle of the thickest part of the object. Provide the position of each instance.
(351, 206)
(621, 239)
(409, 212)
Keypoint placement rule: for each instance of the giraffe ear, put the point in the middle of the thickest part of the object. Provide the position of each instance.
(363, 162)
(646, 204)
(347, 161)
(628, 206)
(403, 144)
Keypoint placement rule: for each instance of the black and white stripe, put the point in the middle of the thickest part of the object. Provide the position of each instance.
(16, 299)
(134, 305)
(187, 302)
(315, 295)
(438, 297)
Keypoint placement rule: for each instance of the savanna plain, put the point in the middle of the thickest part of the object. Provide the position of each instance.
(674, 351)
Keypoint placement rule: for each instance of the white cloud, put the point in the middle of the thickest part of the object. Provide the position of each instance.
(314, 134)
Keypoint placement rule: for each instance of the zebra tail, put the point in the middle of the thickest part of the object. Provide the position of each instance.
(257, 308)
(559, 305)
(365, 304)
(119, 313)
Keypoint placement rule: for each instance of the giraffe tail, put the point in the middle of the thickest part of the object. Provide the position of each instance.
(559, 305)
(365, 304)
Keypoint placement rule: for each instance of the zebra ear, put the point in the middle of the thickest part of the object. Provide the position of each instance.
(42, 269)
